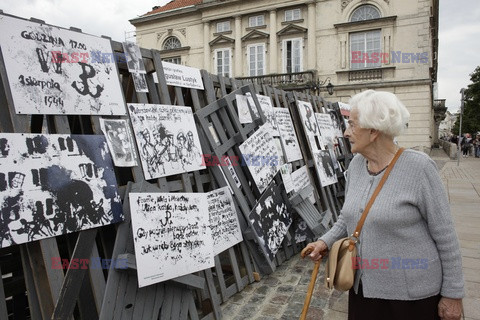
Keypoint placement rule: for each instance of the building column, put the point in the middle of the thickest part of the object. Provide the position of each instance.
(206, 46)
(273, 42)
(311, 41)
(237, 62)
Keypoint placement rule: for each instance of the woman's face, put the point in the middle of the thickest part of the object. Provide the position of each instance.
(359, 137)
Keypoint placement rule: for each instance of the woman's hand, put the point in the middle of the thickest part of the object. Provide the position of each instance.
(450, 309)
(315, 250)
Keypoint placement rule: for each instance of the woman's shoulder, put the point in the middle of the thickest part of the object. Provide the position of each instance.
(417, 159)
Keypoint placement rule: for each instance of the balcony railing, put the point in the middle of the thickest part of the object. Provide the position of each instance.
(367, 74)
(285, 80)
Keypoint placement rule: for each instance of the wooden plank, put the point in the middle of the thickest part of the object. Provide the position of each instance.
(74, 277)
(33, 299)
(214, 299)
(40, 279)
(97, 280)
(186, 296)
(221, 279)
(3, 305)
(159, 299)
(139, 304)
(150, 295)
(126, 299)
(167, 304)
(177, 303)
(113, 280)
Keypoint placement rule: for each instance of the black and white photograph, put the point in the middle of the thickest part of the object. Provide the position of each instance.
(167, 139)
(171, 233)
(325, 168)
(260, 155)
(134, 57)
(120, 141)
(224, 223)
(139, 81)
(243, 109)
(325, 125)
(55, 184)
(287, 134)
(53, 70)
(270, 220)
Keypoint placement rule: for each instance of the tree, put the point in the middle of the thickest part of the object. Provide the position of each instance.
(471, 111)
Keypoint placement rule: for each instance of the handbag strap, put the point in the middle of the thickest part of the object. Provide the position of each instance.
(360, 223)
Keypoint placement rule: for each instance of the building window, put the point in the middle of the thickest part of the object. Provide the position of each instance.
(222, 62)
(176, 60)
(256, 60)
(223, 26)
(365, 49)
(256, 21)
(365, 12)
(291, 15)
(292, 55)
(171, 43)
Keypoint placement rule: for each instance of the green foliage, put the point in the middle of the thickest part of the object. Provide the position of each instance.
(471, 112)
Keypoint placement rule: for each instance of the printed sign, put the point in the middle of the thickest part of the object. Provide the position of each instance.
(57, 71)
(55, 184)
(224, 223)
(260, 155)
(171, 235)
(167, 139)
(301, 179)
(287, 134)
(182, 76)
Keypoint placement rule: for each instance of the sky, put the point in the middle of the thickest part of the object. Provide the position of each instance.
(459, 31)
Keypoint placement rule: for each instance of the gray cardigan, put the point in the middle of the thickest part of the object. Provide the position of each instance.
(408, 245)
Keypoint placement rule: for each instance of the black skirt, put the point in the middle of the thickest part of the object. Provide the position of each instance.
(361, 308)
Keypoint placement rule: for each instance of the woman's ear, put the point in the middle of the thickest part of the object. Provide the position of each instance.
(374, 133)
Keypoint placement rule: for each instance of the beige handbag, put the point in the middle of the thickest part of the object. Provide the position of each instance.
(339, 272)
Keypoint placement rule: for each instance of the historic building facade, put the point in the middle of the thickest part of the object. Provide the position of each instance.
(354, 44)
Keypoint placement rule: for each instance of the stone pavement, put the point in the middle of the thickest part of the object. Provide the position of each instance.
(281, 294)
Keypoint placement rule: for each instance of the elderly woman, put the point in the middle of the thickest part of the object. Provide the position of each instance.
(410, 265)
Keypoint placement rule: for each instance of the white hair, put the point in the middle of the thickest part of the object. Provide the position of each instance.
(382, 111)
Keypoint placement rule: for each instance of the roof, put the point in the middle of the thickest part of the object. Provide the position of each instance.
(172, 5)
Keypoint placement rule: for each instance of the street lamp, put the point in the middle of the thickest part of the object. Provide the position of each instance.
(318, 84)
(462, 104)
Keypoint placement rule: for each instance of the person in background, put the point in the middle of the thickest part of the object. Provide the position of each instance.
(409, 226)
(476, 145)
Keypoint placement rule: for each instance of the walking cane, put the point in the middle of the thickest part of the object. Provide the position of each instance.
(306, 251)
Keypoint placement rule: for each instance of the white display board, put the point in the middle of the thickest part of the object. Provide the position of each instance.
(224, 223)
(182, 76)
(167, 139)
(171, 235)
(55, 184)
(57, 71)
(287, 134)
(260, 155)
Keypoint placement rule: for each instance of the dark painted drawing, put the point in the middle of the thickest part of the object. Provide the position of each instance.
(167, 139)
(55, 184)
(270, 219)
